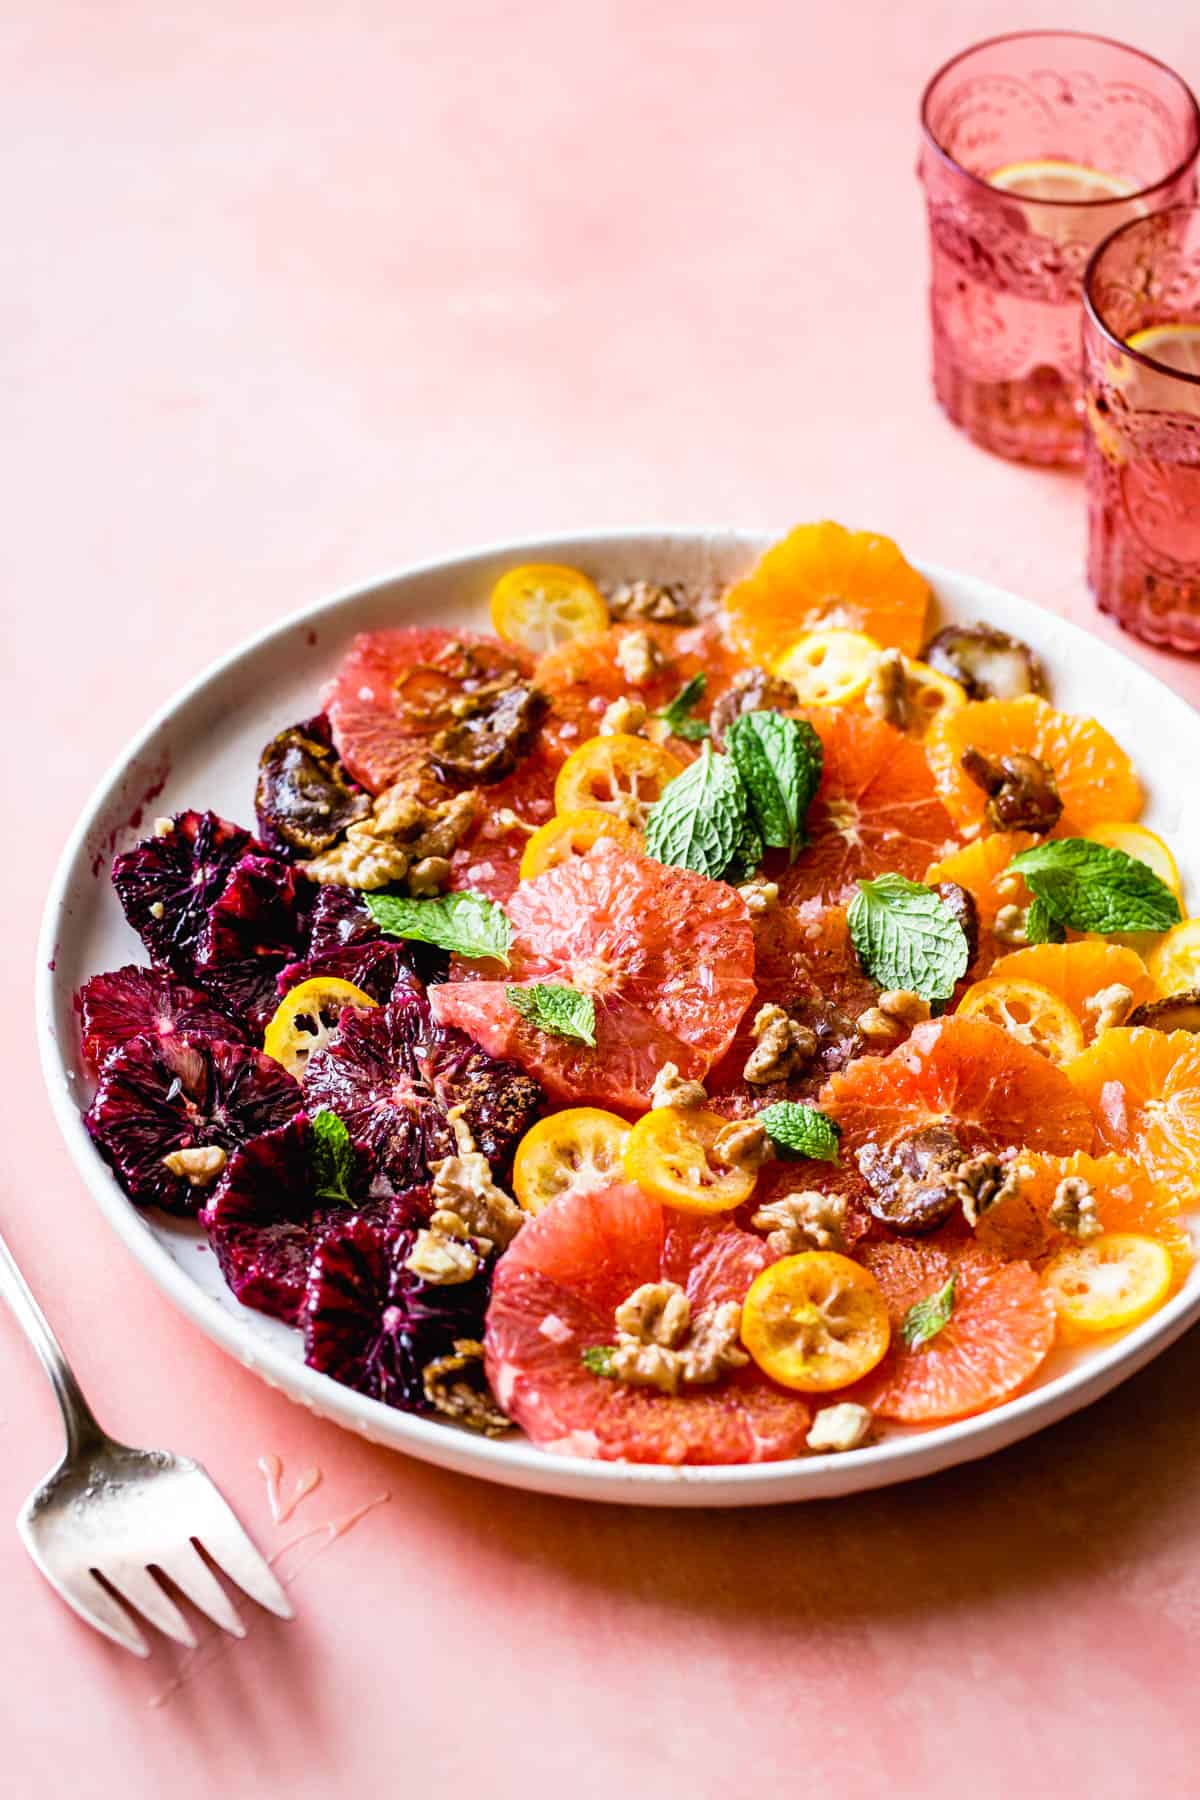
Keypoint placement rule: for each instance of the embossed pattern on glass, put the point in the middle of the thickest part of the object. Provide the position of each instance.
(1047, 114)
(1142, 396)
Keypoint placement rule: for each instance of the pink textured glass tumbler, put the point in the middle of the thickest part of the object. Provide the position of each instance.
(1035, 148)
(1142, 377)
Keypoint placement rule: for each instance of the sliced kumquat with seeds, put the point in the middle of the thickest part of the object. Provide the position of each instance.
(815, 1321)
(823, 577)
(1079, 974)
(1028, 1012)
(669, 1154)
(1143, 1089)
(1174, 962)
(544, 604)
(571, 1152)
(999, 1332)
(829, 668)
(1106, 1284)
(1095, 777)
(621, 774)
(574, 834)
(307, 1017)
(930, 693)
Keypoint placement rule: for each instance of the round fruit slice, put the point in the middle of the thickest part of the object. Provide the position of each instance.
(158, 1096)
(669, 1155)
(1125, 1199)
(930, 693)
(829, 668)
(982, 868)
(488, 861)
(585, 676)
(610, 925)
(395, 688)
(999, 1330)
(825, 577)
(876, 812)
(135, 1002)
(1027, 1012)
(1096, 779)
(255, 926)
(1174, 963)
(571, 834)
(1077, 973)
(544, 604)
(622, 774)
(167, 883)
(966, 1073)
(571, 1152)
(1143, 1089)
(555, 1295)
(815, 1321)
(1178, 346)
(307, 1017)
(1050, 179)
(1107, 1284)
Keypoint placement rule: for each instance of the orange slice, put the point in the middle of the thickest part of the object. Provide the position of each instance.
(1076, 973)
(621, 774)
(1143, 1089)
(544, 604)
(1126, 1200)
(823, 577)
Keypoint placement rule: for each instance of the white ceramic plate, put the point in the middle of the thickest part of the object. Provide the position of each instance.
(202, 750)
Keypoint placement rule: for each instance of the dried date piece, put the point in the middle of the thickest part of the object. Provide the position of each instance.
(988, 663)
(1022, 791)
(752, 690)
(962, 905)
(492, 731)
(304, 799)
(1178, 1012)
(912, 1183)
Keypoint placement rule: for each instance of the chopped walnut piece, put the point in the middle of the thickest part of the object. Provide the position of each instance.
(742, 1144)
(658, 1312)
(456, 1387)
(1010, 926)
(200, 1166)
(163, 827)
(1073, 1209)
(660, 1345)
(713, 1346)
(897, 1011)
(638, 657)
(804, 1221)
(442, 1257)
(623, 716)
(983, 1181)
(760, 896)
(667, 603)
(505, 819)
(782, 1047)
(1109, 1007)
(157, 909)
(403, 840)
(845, 1426)
(887, 694)
(463, 1188)
(1022, 791)
(672, 1089)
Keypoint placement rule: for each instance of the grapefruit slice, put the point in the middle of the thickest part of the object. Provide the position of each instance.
(877, 810)
(611, 925)
(998, 1334)
(555, 1295)
(583, 677)
(488, 860)
(969, 1074)
(394, 688)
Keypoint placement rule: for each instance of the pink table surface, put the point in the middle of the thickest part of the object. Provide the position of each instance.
(294, 295)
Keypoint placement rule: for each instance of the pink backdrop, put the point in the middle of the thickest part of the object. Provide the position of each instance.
(296, 294)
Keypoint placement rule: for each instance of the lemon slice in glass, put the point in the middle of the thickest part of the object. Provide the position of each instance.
(1048, 179)
(1178, 346)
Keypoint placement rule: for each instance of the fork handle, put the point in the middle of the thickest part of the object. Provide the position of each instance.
(78, 1418)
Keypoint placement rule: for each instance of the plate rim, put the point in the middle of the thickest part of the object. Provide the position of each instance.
(516, 1462)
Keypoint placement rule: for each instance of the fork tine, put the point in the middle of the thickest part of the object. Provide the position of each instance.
(220, 1531)
(97, 1608)
(138, 1586)
(193, 1577)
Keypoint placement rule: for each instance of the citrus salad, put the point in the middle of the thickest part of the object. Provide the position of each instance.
(690, 1026)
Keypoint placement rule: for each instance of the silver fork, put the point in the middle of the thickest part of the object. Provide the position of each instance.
(111, 1511)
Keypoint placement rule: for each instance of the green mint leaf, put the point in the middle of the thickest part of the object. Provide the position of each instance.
(332, 1156)
(697, 822)
(748, 855)
(779, 760)
(800, 1129)
(598, 1358)
(907, 938)
(677, 716)
(1092, 888)
(558, 1010)
(924, 1320)
(465, 924)
(1041, 927)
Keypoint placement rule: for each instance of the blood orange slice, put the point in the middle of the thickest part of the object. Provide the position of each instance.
(999, 1332)
(966, 1073)
(394, 688)
(555, 1295)
(667, 957)
(876, 812)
